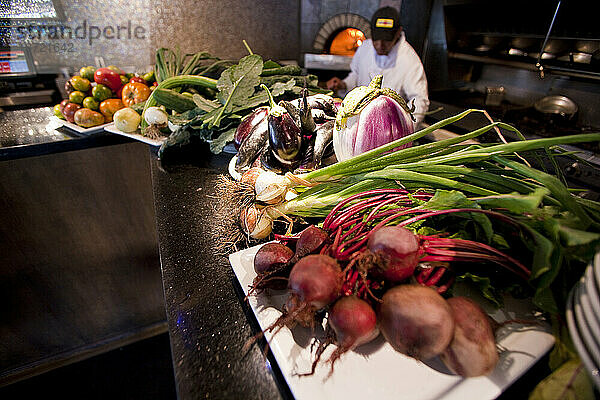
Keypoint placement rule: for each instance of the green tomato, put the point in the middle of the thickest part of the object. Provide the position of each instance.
(58, 112)
(124, 79)
(130, 75)
(101, 92)
(115, 68)
(87, 72)
(76, 97)
(79, 83)
(91, 103)
(148, 77)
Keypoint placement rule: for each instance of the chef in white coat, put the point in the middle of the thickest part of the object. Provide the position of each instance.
(390, 55)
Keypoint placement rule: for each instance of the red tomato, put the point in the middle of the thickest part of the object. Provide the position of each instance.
(108, 78)
(69, 111)
(138, 80)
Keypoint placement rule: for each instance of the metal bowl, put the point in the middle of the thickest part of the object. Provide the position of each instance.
(525, 43)
(556, 46)
(560, 105)
(587, 46)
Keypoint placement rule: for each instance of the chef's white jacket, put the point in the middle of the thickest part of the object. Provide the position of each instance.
(402, 71)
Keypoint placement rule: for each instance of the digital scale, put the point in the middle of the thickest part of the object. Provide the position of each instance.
(16, 63)
(19, 82)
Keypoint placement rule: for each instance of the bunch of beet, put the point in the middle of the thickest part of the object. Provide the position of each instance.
(416, 320)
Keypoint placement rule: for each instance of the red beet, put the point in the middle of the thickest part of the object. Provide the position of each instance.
(311, 240)
(316, 279)
(397, 251)
(354, 322)
(314, 282)
(416, 321)
(472, 351)
(272, 264)
(271, 257)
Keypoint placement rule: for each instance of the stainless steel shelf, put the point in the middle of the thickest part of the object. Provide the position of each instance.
(526, 65)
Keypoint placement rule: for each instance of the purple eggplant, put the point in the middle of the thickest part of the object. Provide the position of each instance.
(285, 136)
(248, 124)
(319, 102)
(256, 131)
(306, 119)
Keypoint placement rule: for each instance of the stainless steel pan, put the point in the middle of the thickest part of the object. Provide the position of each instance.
(557, 106)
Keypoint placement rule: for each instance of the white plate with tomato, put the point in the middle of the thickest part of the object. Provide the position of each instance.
(81, 129)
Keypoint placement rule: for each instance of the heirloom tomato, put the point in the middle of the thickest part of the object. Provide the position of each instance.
(109, 107)
(87, 72)
(138, 80)
(108, 78)
(80, 84)
(148, 76)
(69, 111)
(134, 93)
(58, 111)
(91, 103)
(101, 92)
(88, 118)
(116, 69)
(76, 97)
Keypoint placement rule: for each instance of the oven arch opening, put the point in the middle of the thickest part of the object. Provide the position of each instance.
(337, 24)
(345, 41)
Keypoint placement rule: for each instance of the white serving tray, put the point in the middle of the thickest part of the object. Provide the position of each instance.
(137, 136)
(80, 129)
(376, 371)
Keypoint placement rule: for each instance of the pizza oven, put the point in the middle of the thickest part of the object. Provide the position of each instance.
(336, 42)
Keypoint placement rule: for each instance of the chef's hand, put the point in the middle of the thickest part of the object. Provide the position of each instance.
(336, 84)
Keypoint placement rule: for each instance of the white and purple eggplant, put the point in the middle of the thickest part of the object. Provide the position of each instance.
(369, 117)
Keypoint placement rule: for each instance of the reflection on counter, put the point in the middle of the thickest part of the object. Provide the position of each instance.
(29, 126)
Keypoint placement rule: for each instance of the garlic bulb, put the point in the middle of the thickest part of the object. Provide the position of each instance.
(256, 223)
(270, 188)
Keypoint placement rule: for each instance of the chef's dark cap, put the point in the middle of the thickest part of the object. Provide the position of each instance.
(385, 23)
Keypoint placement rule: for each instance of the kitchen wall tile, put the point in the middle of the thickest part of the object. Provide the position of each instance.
(310, 11)
(329, 8)
(270, 27)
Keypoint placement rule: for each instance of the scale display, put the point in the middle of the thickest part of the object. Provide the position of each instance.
(14, 62)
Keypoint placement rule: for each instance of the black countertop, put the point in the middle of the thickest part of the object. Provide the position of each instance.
(208, 319)
(30, 132)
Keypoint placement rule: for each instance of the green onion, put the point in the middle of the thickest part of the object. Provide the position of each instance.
(479, 170)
